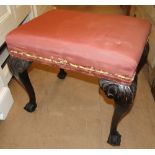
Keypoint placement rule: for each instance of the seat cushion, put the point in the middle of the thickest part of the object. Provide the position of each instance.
(106, 46)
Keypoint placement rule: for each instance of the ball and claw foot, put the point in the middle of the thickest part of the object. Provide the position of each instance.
(30, 107)
(114, 139)
(62, 74)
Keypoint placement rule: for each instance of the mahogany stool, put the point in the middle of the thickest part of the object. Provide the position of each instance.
(111, 47)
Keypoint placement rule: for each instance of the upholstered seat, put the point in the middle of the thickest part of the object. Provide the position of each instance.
(106, 46)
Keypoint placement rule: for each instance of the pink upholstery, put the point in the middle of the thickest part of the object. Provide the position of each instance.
(106, 46)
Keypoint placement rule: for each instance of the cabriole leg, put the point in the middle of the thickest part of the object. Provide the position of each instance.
(143, 57)
(153, 88)
(19, 68)
(62, 74)
(123, 96)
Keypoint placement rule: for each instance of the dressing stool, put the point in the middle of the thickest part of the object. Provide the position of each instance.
(111, 47)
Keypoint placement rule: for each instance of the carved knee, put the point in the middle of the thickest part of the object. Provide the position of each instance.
(17, 65)
(123, 96)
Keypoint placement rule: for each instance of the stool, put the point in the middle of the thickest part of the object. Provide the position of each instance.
(111, 47)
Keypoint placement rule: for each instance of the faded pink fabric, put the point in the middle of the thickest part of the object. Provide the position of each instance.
(112, 43)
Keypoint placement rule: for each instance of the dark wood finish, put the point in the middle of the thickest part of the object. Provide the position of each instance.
(62, 74)
(143, 57)
(19, 68)
(123, 96)
(153, 88)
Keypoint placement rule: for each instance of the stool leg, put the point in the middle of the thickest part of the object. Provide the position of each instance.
(62, 74)
(19, 68)
(153, 88)
(123, 96)
(143, 57)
